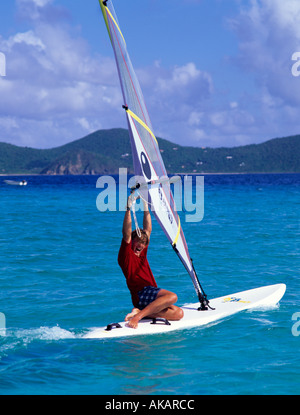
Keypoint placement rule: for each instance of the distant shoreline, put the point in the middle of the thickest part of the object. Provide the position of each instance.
(170, 174)
(101, 153)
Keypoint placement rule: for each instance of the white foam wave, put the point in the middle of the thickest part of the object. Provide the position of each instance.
(43, 333)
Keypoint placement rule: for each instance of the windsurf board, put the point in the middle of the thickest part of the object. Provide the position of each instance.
(221, 308)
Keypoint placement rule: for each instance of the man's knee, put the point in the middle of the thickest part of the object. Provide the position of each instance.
(173, 298)
(176, 313)
(179, 313)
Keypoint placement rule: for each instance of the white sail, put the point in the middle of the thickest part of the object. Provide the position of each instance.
(147, 159)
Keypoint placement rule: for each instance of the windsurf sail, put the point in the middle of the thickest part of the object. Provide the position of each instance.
(147, 159)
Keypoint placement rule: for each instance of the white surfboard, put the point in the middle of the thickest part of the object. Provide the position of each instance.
(222, 307)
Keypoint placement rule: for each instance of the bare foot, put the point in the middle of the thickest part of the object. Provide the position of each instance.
(133, 322)
(132, 314)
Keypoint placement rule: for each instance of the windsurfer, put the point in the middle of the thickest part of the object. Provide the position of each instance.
(148, 300)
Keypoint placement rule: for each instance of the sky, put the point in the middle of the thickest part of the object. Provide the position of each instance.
(214, 73)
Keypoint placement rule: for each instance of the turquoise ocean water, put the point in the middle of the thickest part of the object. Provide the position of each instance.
(59, 277)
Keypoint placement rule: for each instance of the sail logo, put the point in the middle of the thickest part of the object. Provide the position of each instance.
(235, 300)
(165, 206)
(2, 64)
(146, 166)
(296, 65)
(186, 193)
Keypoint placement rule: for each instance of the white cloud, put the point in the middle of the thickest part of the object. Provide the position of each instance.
(189, 109)
(28, 38)
(269, 34)
(175, 98)
(181, 79)
(195, 118)
(41, 10)
(8, 123)
(55, 91)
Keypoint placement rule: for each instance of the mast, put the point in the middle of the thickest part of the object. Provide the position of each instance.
(147, 159)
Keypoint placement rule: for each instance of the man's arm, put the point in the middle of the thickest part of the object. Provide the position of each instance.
(127, 223)
(127, 226)
(147, 223)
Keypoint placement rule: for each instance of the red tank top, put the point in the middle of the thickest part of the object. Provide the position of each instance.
(136, 270)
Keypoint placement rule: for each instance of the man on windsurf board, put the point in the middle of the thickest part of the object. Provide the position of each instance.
(148, 300)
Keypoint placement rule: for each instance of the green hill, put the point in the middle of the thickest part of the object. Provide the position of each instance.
(105, 151)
